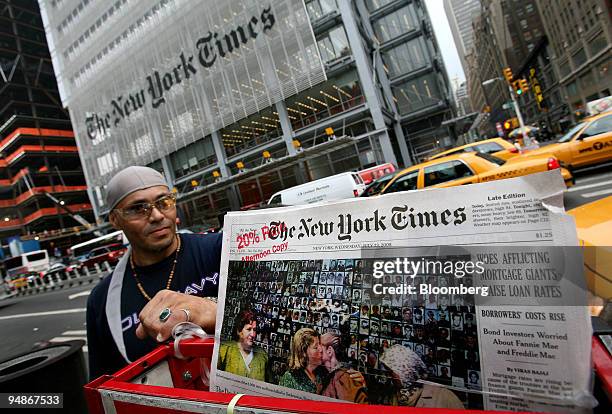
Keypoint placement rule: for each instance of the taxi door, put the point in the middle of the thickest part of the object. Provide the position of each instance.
(594, 144)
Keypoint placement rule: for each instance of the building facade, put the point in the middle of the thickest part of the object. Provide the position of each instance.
(381, 94)
(39, 159)
(460, 14)
(488, 93)
(580, 36)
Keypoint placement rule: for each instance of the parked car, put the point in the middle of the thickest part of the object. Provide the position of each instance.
(589, 142)
(59, 271)
(470, 168)
(498, 147)
(111, 254)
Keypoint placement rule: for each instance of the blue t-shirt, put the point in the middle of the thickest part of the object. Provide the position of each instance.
(196, 273)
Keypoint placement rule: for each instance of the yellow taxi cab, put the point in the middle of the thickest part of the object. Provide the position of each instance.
(589, 142)
(594, 227)
(498, 147)
(470, 168)
(18, 282)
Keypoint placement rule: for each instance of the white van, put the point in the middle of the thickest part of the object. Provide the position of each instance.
(31, 262)
(334, 187)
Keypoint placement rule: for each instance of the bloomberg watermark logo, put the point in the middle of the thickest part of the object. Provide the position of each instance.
(384, 270)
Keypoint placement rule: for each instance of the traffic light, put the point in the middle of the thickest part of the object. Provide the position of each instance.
(520, 86)
(508, 75)
(523, 85)
(507, 125)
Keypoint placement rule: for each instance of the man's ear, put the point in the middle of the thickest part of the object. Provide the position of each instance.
(114, 220)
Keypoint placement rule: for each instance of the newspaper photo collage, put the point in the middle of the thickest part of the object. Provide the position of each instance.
(338, 296)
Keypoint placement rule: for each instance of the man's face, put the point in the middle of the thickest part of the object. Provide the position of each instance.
(247, 335)
(328, 353)
(153, 234)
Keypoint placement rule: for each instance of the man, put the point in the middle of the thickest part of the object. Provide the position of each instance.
(341, 383)
(162, 280)
(239, 356)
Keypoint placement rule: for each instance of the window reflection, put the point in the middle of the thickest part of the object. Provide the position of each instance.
(377, 4)
(406, 57)
(334, 45)
(193, 157)
(319, 8)
(395, 24)
(417, 93)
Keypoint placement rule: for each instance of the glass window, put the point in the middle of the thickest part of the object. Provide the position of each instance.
(572, 89)
(319, 8)
(598, 43)
(599, 126)
(193, 157)
(446, 171)
(395, 24)
(334, 45)
(406, 57)
(579, 58)
(492, 159)
(405, 183)
(417, 93)
(376, 4)
(488, 147)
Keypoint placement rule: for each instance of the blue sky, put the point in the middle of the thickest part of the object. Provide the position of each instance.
(445, 39)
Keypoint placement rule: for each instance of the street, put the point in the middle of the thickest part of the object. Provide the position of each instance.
(31, 321)
(592, 183)
(56, 316)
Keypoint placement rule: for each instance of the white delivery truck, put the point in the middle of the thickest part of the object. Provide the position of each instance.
(334, 187)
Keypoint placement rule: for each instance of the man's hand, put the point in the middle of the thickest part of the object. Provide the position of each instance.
(203, 313)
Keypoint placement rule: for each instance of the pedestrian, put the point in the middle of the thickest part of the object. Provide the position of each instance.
(165, 278)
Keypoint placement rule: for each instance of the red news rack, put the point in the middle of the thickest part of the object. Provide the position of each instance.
(124, 392)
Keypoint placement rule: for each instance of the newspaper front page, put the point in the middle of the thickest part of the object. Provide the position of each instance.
(466, 297)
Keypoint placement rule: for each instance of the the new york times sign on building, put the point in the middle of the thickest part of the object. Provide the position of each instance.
(208, 50)
(180, 70)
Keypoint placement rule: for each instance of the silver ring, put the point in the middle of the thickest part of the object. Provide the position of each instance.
(165, 314)
(188, 314)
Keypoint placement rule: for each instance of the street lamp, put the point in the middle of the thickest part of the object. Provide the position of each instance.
(490, 81)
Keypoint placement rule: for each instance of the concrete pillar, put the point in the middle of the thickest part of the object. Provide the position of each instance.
(364, 69)
(383, 79)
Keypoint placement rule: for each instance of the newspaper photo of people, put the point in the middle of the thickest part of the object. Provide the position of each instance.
(318, 326)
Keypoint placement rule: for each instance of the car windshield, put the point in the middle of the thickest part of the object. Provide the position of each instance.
(376, 186)
(569, 134)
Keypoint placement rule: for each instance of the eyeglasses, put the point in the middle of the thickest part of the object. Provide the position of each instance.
(143, 210)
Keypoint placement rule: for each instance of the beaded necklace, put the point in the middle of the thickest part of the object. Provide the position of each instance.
(140, 287)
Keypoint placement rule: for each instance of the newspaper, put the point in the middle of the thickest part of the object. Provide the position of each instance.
(467, 297)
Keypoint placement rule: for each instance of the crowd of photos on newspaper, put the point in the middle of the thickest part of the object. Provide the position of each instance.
(336, 295)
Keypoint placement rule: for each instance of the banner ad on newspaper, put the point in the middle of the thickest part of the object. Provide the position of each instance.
(449, 298)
